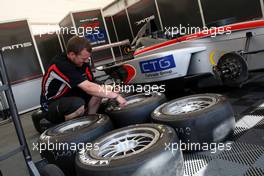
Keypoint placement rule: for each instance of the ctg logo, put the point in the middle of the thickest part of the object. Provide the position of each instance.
(159, 64)
(16, 46)
(145, 20)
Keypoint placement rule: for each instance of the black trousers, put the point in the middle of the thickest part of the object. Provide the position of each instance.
(63, 106)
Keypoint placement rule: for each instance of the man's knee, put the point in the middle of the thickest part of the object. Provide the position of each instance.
(65, 108)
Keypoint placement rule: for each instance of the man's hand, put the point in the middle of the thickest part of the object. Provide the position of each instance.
(110, 88)
(101, 91)
(122, 102)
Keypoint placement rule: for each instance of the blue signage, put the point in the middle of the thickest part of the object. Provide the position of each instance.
(156, 65)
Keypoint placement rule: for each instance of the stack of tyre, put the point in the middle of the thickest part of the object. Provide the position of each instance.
(137, 139)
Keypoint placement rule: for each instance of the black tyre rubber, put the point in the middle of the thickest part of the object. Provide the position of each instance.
(135, 113)
(91, 127)
(108, 102)
(40, 122)
(155, 158)
(212, 123)
(51, 170)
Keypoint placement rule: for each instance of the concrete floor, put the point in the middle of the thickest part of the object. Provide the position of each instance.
(15, 165)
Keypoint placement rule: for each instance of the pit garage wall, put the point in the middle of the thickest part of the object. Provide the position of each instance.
(93, 19)
(231, 11)
(176, 12)
(66, 24)
(122, 26)
(22, 62)
(173, 13)
(86, 19)
(141, 12)
(49, 45)
(113, 36)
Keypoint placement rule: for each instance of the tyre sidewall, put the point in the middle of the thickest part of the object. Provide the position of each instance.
(132, 163)
(64, 158)
(208, 125)
(136, 113)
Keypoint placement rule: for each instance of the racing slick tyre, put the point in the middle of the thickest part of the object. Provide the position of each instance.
(60, 143)
(136, 150)
(137, 111)
(197, 119)
(107, 102)
(51, 170)
(40, 122)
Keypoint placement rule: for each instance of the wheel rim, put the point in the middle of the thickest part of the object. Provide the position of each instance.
(74, 126)
(188, 105)
(126, 143)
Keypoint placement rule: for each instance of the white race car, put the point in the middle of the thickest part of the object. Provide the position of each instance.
(227, 56)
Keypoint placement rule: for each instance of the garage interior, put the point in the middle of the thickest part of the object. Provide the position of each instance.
(30, 39)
